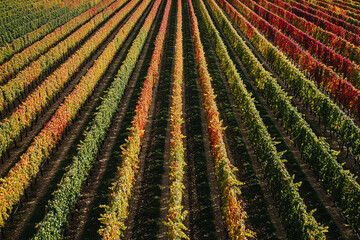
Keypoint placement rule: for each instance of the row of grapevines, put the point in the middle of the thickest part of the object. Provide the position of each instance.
(113, 219)
(349, 36)
(291, 206)
(329, 113)
(65, 197)
(347, 94)
(346, 5)
(22, 42)
(20, 60)
(333, 7)
(228, 185)
(355, 13)
(317, 12)
(30, 14)
(21, 26)
(324, 16)
(11, 5)
(332, 11)
(16, 8)
(351, 4)
(340, 45)
(339, 182)
(16, 86)
(8, 6)
(315, 7)
(19, 177)
(329, 57)
(27, 112)
(338, 10)
(176, 215)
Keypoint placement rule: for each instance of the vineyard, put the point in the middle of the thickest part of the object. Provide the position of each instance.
(179, 119)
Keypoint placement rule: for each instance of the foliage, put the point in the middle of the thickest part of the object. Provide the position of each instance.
(330, 114)
(16, 86)
(27, 112)
(337, 43)
(299, 222)
(59, 208)
(228, 185)
(323, 23)
(346, 93)
(176, 216)
(116, 212)
(327, 56)
(38, 49)
(340, 183)
(25, 40)
(12, 186)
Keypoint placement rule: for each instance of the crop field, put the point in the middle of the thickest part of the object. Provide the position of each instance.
(179, 119)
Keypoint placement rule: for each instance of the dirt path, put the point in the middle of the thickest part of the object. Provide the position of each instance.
(135, 199)
(186, 197)
(32, 211)
(28, 134)
(165, 194)
(102, 195)
(165, 184)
